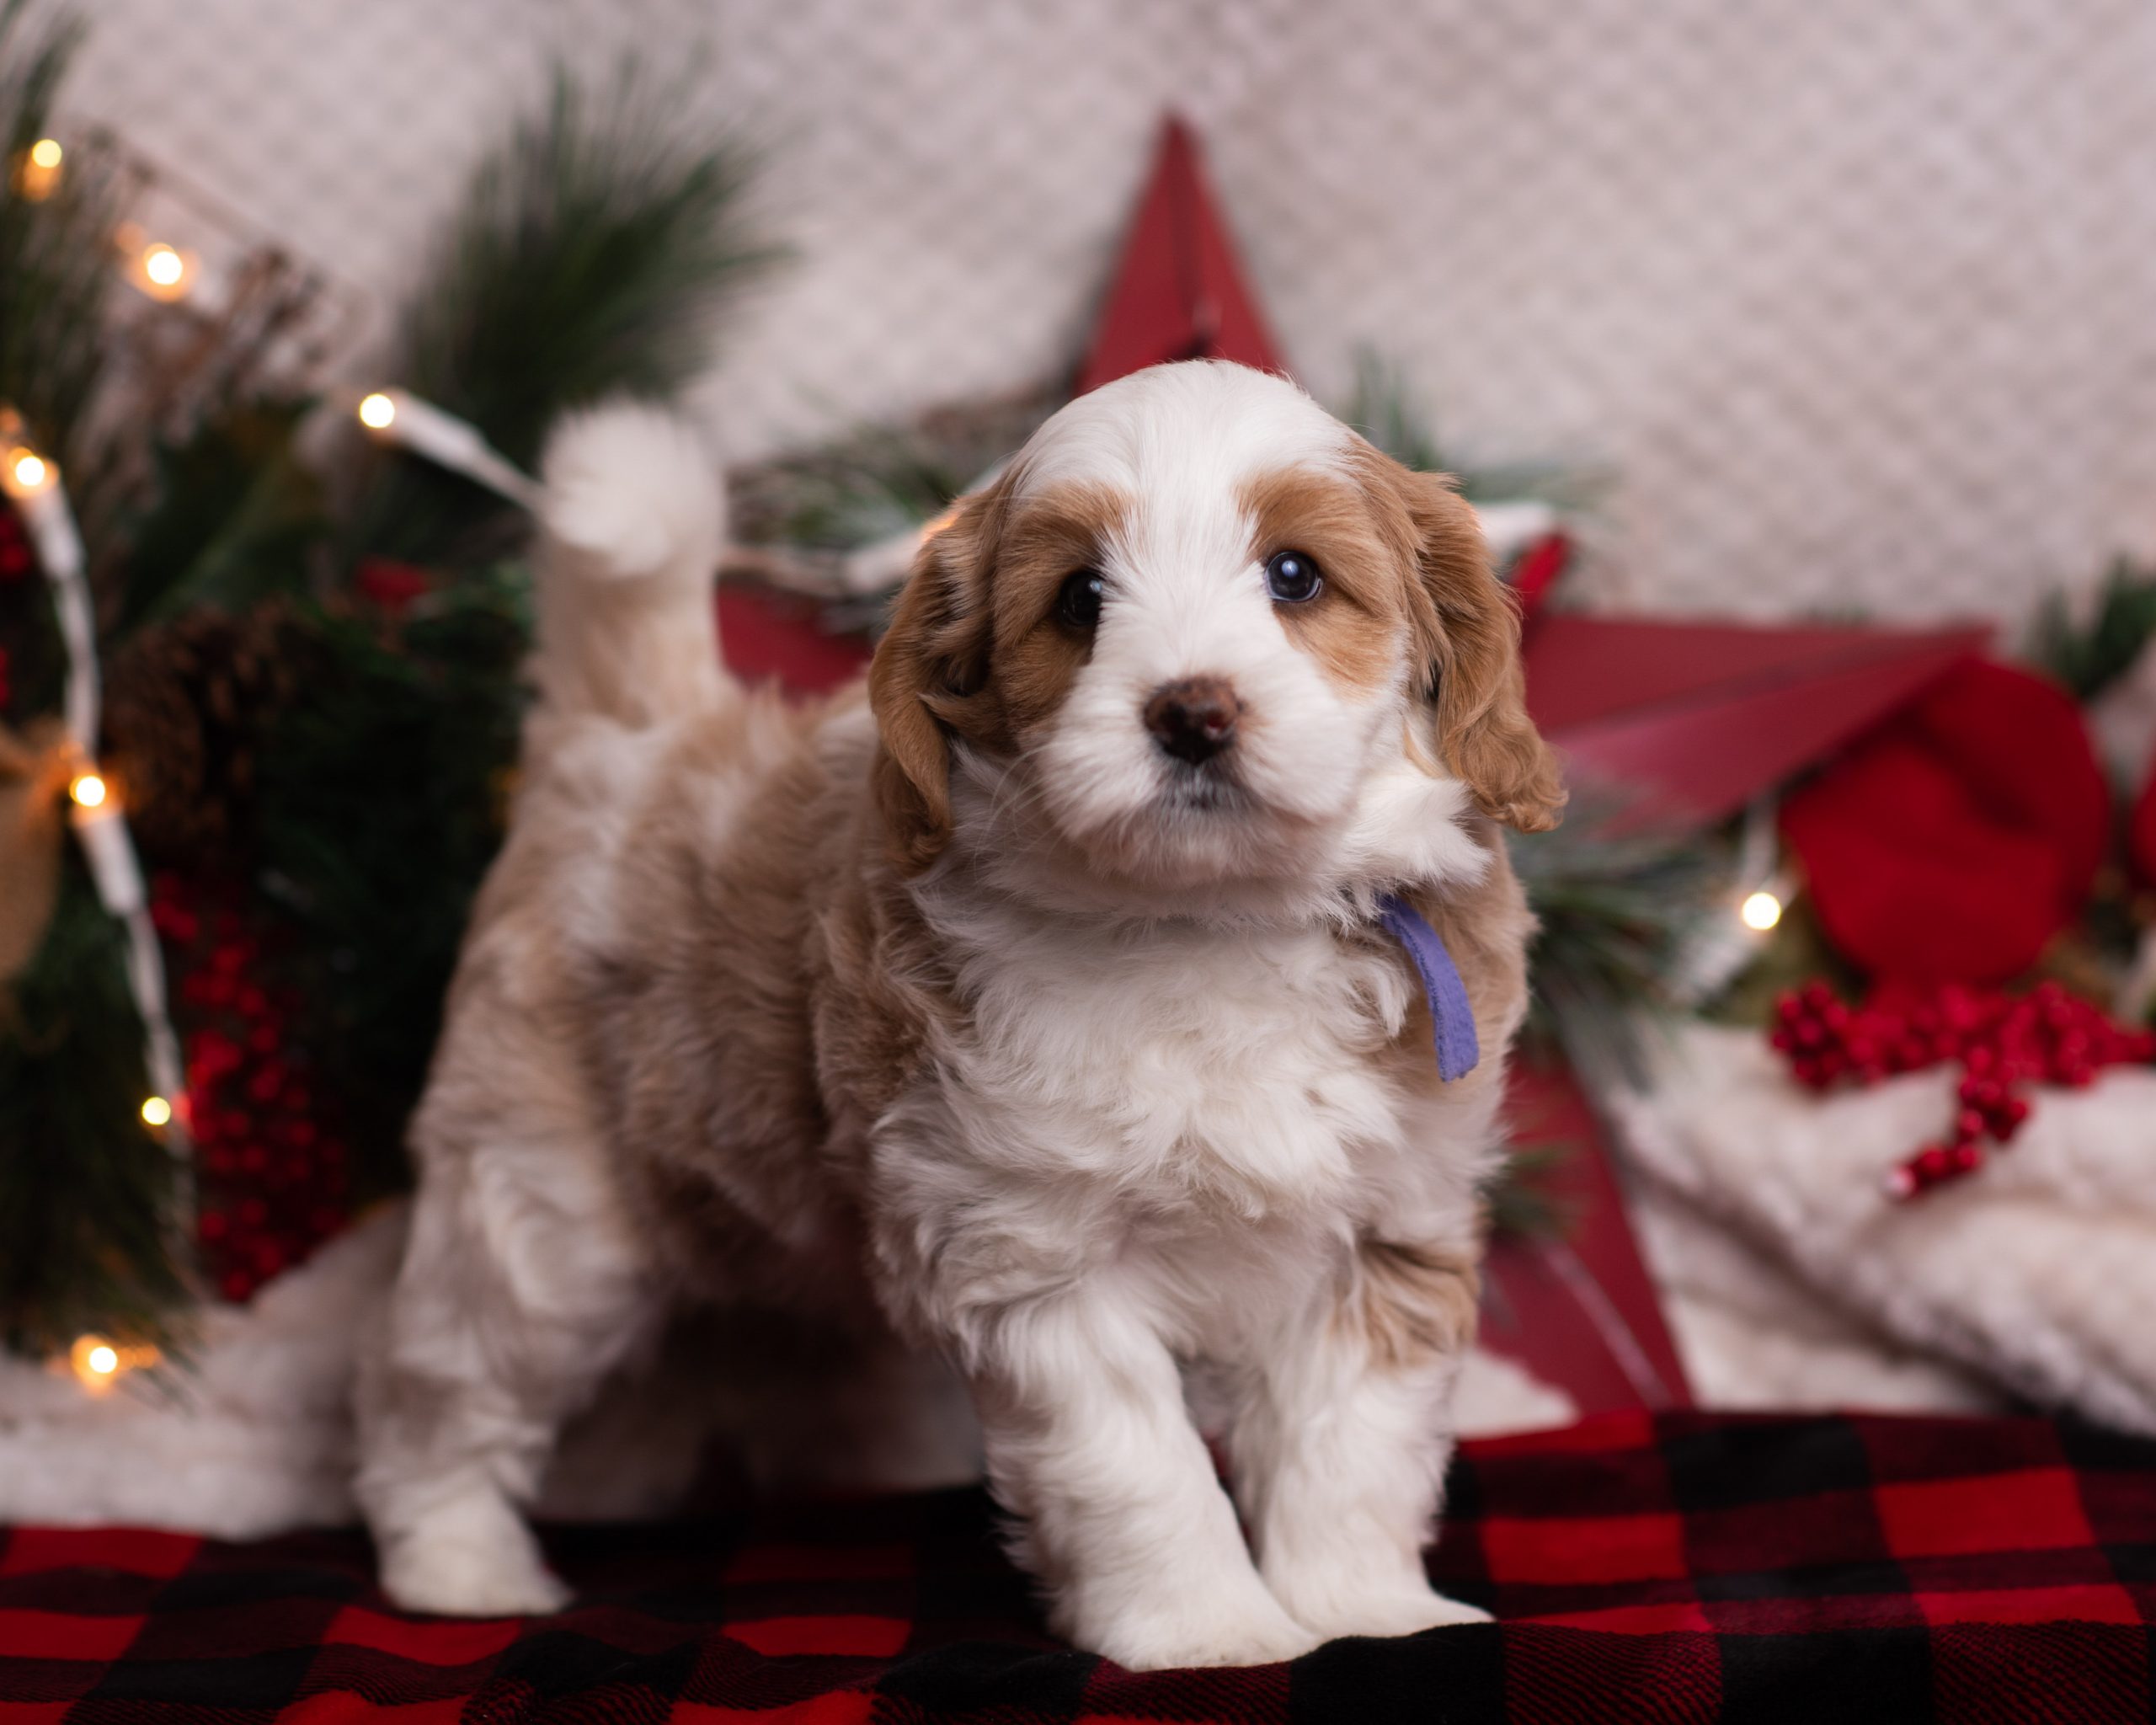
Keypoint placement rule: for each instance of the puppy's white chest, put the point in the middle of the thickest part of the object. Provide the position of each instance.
(1190, 1065)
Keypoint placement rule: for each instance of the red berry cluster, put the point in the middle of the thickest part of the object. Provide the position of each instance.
(2002, 1042)
(273, 1182)
(393, 587)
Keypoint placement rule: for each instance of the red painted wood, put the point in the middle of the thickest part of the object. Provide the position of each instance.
(1695, 720)
(1178, 292)
(1581, 1312)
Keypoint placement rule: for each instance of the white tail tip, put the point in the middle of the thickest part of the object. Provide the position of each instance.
(635, 490)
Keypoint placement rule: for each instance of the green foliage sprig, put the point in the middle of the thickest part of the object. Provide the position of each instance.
(84, 1186)
(594, 253)
(56, 256)
(1617, 909)
(2090, 658)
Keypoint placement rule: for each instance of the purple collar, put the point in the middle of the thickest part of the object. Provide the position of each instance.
(1457, 1048)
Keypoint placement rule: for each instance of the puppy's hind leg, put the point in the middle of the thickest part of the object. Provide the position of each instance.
(520, 1291)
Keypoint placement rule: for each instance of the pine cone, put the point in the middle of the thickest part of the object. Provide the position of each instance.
(188, 704)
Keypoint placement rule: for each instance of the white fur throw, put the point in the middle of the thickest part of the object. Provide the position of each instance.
(255, 1437)
(2037, 1275)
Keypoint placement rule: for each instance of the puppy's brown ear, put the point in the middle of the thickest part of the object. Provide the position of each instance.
(929, 675)
(1466, 631)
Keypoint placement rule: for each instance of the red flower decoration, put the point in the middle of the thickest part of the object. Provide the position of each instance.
(1952, 843)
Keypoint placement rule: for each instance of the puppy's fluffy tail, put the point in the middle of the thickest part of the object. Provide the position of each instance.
(630, 528)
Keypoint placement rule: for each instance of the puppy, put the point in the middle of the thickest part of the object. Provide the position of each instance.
(1064, 1001)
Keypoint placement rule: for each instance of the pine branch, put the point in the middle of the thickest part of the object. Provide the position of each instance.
(84, 1185)
(381, 799)
(880, 480)
(593, 256)
(234, 518)
(1519, 1198)
(1616, 910)
(2088, 659)
(55, 263)
(1384, 409)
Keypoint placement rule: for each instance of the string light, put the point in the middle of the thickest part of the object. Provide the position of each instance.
(98, 1364)
(163, 271)
(1761, 910)
(34, 482)
(1743, 910)
(399, 417)
(37, 173)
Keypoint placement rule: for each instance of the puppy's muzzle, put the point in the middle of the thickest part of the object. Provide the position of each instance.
(1194, 719)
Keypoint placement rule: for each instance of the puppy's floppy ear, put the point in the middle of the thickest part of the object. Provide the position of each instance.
(1466, 633)
(929, 676)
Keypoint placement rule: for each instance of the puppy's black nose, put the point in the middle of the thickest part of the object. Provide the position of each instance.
(1194, 719)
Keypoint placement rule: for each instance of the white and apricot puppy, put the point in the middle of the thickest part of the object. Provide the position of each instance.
(1032, 1005)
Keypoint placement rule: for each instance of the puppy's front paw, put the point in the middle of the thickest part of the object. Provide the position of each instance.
(1402, 1608)
(471, 1560)
(1247, 1628)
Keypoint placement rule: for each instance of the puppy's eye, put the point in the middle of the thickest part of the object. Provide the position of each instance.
(1292, 578)
(1078, 603)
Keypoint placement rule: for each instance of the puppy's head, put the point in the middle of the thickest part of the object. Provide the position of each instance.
(1179, 642)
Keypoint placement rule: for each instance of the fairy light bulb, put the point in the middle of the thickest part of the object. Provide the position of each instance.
(88, 790)
(155, 1111)
(1761, 911)
(95, 1362)
(161, 270)
(377, 412)
(29, 469)
(37, 170)
(99, 1362)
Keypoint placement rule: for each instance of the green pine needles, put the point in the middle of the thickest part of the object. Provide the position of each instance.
(2088, 658)
(85, 1242)
(595, 253)
(56, 256)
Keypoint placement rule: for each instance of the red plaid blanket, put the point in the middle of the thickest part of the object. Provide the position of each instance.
(1682, 1567)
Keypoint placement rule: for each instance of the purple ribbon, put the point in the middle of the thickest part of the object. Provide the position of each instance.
(1458, 1047)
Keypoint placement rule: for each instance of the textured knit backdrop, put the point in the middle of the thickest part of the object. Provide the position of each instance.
(1857, 301)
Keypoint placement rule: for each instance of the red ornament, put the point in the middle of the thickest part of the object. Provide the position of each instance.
(1956, 839)
(2002, 1042)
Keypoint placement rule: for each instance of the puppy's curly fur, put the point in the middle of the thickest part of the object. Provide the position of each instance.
(962, 1009)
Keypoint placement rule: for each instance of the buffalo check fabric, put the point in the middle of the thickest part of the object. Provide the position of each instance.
(1674, 1566)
